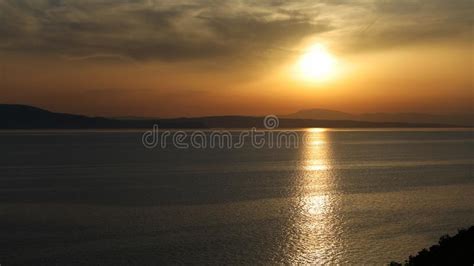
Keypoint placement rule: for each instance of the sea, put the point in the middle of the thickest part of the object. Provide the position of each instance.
(332, 196)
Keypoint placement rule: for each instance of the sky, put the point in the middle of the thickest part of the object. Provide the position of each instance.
(195, 58)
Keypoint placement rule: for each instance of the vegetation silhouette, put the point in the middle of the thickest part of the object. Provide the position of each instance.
(450, 250)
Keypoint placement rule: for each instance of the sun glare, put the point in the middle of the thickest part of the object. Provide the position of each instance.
(316, 64)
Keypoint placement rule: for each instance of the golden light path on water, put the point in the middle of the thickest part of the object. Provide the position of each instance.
(317, 225)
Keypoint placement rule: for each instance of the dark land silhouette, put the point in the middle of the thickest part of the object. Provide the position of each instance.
(456, 119)
(14, 116)
(450, 250)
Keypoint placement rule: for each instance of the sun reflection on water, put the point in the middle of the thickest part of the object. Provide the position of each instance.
(318, 238)
(316, 205)
(316, 165)
(316, 130)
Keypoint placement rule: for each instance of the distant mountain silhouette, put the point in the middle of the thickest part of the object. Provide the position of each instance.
(454, 119)
(23, 116)
(28, 117)
(323, 114)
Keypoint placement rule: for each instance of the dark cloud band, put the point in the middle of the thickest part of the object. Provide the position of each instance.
(163, 30)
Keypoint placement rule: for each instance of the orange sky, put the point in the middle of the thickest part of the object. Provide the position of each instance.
(159, 58)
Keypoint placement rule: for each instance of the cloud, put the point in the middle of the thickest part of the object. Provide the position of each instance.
(393, 23)
(208, 29)
(142, 30)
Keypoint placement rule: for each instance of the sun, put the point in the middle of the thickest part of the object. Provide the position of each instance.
(316, 64)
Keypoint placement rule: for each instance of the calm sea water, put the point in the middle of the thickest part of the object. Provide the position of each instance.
(352, 196)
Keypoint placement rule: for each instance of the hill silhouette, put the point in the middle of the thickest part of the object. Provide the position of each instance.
(324, 114)
(455, 119)
(29, 117)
